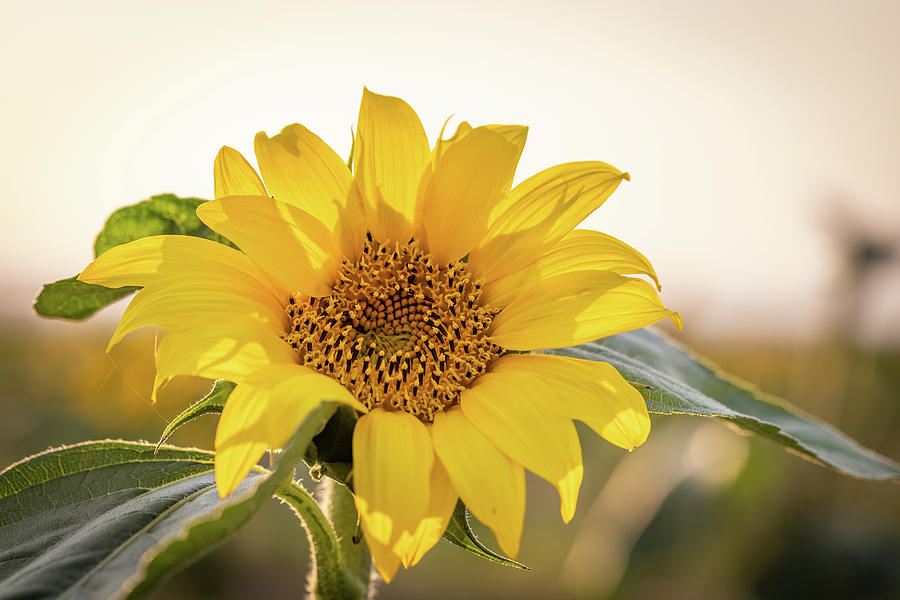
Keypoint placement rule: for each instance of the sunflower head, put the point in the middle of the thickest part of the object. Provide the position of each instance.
(400, 331)
(410, 287)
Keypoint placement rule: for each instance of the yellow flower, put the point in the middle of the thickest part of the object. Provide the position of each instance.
(398, 289)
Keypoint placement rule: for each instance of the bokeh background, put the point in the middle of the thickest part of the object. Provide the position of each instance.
(763, 141)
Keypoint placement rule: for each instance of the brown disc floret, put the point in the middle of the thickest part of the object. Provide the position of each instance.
(399, 331)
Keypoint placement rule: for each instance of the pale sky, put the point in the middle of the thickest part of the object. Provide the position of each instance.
(738, 123)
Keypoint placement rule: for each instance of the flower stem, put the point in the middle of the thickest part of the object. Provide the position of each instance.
(340, 569)
(338, 505)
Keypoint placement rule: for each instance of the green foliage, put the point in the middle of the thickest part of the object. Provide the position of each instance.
(75, 521)
(162, 214)
(209, 529)
(674, 381)
(165, 214)
(460, 533)
(211, 403)
(114, 519)
(76, 300)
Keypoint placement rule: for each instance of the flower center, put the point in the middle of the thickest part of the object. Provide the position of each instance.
(399, 331)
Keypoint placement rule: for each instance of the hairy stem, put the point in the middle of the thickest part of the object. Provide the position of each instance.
(340, 569)
(337, 503)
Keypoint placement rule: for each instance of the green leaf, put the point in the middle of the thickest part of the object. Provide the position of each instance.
(674, 381)
(160, 215)
(209, 529)
(114, 519)
(73, 299)
(74, 521)
(460, 533)
(211, 403)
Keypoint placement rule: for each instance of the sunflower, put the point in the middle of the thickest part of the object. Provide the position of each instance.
(411, 288)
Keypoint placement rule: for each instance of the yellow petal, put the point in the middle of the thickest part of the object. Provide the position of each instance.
(490, 484)
(539, 212)
(386, 560)
(282, 239)
(574, 308)
(513, 134)
(390, 156)
(470, 178)
(187, 303)
(591, 392)
(159, 258)
(442, 501)
(234, 176)
(442, 144)
(301, 169)
(579, 250)
(219, 351)
(392, 460)
(425, 182)
(263, 412)
(518, 414)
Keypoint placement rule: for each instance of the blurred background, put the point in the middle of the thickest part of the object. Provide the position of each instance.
(762, 139)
